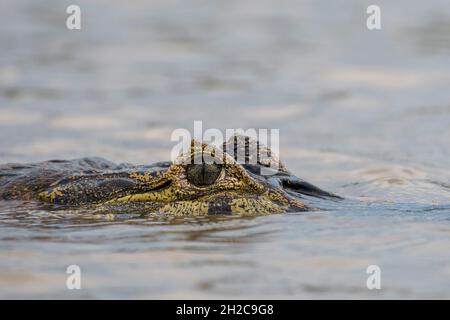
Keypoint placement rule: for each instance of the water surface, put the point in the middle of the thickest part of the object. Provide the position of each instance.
(364, 114)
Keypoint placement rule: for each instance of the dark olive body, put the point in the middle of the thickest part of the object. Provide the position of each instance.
(162, 188)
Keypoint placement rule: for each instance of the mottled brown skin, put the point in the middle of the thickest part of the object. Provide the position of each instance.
(178, 188)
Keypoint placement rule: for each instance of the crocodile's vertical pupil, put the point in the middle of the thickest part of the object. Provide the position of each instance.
(203, 174)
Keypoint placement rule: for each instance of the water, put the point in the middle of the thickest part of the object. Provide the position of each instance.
(365, 114)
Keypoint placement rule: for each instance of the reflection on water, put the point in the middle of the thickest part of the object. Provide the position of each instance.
(321, 254)
(363, 114)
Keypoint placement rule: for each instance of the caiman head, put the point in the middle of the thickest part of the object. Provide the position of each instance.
(204, 181)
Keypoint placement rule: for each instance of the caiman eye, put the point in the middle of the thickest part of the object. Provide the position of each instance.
(203, 174)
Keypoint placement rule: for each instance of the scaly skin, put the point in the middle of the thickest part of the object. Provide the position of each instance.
(163, 188)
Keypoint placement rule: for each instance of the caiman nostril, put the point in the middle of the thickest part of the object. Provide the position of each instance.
(203, 174)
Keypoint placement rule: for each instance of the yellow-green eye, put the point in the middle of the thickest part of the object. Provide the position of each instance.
(203, 174)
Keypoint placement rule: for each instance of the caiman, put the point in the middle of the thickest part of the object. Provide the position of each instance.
(182, 187)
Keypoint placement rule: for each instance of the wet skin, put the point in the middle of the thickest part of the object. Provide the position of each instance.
(214, 185)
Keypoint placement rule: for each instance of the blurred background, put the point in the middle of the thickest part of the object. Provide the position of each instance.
(365, 114)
